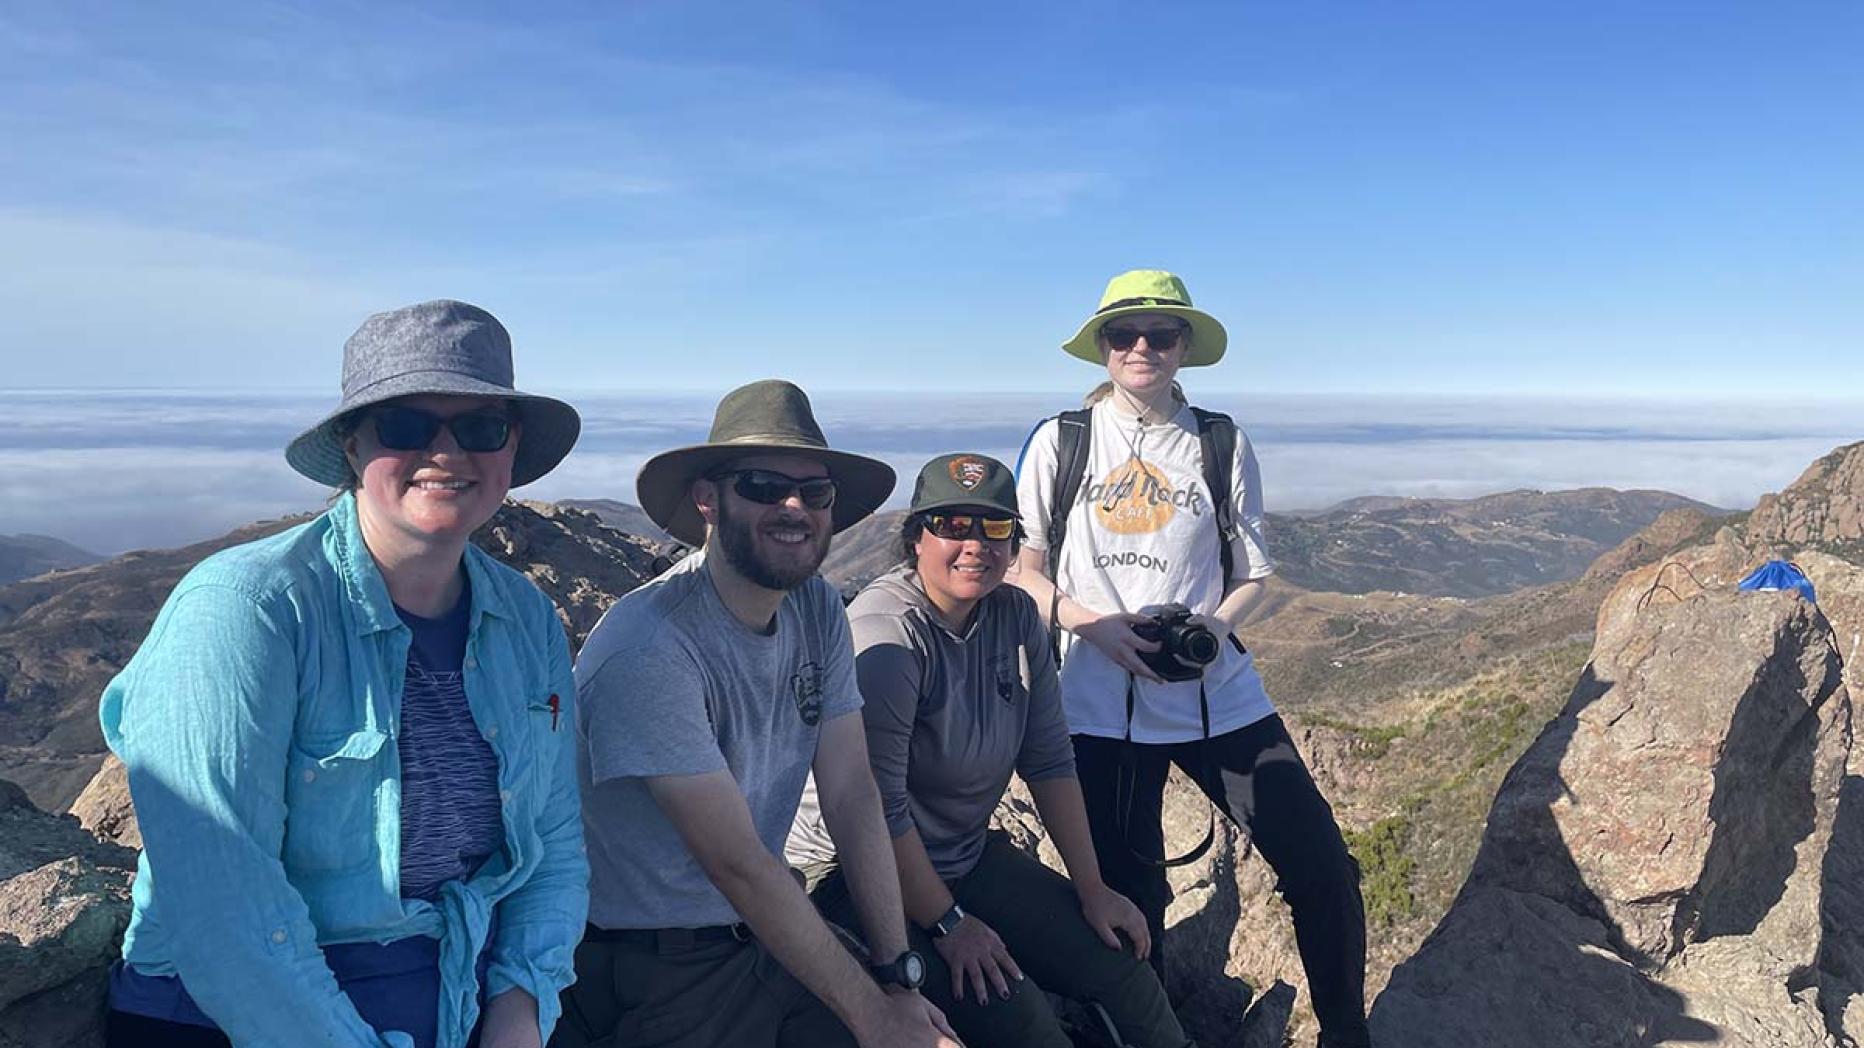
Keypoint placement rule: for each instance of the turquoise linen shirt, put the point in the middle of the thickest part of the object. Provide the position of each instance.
(258, 724)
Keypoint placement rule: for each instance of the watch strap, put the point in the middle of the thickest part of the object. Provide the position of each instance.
(947, 923)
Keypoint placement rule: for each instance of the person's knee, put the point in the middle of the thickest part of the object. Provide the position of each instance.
(1023, 1018)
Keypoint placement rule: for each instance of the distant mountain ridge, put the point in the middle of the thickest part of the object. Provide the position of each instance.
(1479, 547)
(1461, 547)
(23, 556)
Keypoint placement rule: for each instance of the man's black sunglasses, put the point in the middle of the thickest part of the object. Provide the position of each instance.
(402, 428)
(768, 487)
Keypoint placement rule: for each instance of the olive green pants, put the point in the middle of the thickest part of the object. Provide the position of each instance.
(701, 995)
(1036, 913)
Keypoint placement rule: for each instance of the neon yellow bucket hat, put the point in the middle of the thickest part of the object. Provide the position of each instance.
(1151, 291)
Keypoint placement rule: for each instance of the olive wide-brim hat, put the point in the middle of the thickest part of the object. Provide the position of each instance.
(770, 417)
(442, 347)
(1151, 291)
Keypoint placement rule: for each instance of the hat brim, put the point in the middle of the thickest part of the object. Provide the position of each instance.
(664, 486)
(547, 427)
(1208, 339)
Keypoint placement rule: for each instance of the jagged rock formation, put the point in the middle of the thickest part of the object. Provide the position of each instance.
(64, 901)
(63, 636)
(1679, 858)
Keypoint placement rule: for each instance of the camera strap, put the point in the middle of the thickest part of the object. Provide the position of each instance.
(1126, 782)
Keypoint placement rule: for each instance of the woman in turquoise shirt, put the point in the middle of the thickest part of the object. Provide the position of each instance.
(348, 743)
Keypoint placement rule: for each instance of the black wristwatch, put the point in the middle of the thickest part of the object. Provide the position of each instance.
(947, 924)
(908, 971)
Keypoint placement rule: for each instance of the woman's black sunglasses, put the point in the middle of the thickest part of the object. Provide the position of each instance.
(1124, 337)
(768, 487)
(401, 428)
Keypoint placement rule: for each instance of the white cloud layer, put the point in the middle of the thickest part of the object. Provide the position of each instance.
(118, 471)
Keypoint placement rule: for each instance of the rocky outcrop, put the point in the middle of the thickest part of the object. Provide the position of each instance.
(1823, 510)
(1656, 868)
(104, 808)
(64, 901)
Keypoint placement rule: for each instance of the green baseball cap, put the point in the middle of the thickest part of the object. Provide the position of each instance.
(1151, 291)
(965, 479)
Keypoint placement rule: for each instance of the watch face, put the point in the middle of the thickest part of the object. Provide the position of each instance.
(915, 966)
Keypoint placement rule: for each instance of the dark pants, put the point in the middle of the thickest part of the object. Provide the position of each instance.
(1036, 913)
(1256, 777)
(669, 994)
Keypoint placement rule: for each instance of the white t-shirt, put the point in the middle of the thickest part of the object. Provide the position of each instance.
(1142, 533)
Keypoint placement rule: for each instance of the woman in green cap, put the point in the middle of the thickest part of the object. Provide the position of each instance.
(959, 687)
(1160, 504)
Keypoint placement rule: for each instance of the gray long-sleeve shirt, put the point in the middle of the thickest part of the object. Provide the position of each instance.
(948, 717)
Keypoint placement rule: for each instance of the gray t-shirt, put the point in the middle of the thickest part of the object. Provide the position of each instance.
(948, 717)
(671, 683)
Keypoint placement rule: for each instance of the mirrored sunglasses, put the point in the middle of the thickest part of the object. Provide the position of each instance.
(768, 487)
(957, 528)
(1123, 337)
(401, 428)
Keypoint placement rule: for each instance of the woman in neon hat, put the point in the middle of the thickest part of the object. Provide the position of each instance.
(1160, 505)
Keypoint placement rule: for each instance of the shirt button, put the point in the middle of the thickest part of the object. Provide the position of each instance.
(504, 796)
(279, 936)
(472, 662)
(492, 732)
(310, 775)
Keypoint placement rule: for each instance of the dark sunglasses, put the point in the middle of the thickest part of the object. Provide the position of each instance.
(1124, 338)
(959, 528)
(768, 487)
(411, 429)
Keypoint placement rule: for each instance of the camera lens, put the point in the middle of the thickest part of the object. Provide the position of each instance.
(1198, 646)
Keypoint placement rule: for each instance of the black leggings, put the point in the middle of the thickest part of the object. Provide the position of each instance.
(1256, 777)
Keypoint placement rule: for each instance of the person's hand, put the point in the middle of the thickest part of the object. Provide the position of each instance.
(1110, 913)
(908, 1020)
(976, 955)
(510, 1022)
(1113, 634)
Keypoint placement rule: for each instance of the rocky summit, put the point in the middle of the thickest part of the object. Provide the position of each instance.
(1671, 859)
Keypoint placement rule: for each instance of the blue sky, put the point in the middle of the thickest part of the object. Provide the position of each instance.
(1654, 198)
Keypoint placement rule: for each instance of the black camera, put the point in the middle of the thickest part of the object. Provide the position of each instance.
(1185, 647)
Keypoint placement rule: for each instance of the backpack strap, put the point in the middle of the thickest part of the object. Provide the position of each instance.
(1074, 430)
(1216, 437)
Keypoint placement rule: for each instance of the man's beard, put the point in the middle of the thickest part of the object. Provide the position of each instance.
(738, 539)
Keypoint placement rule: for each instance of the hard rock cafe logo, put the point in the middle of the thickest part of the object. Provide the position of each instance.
(968, 472)
(1137, 498)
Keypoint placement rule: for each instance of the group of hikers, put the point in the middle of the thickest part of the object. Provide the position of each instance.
(382, 806)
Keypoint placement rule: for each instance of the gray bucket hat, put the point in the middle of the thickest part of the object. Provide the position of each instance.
(444, 347)
(768, 417)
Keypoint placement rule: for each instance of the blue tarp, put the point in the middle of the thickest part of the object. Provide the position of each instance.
(1779, 575)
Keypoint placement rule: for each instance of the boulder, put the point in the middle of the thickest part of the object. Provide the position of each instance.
(1657, 867)
(104, 808)
(64, 902)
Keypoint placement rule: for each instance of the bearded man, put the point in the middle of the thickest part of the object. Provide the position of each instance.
(707, 698)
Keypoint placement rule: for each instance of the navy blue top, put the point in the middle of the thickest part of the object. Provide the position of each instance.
(450, 810)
